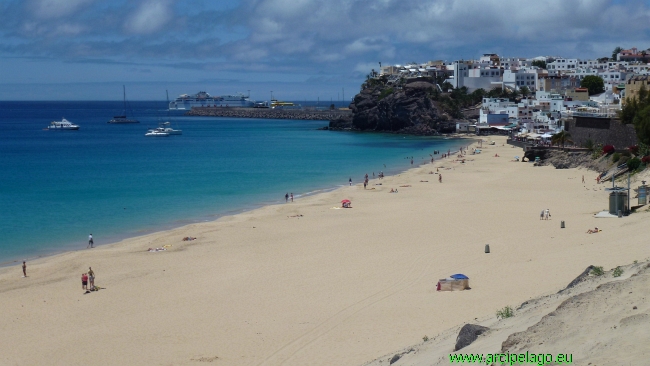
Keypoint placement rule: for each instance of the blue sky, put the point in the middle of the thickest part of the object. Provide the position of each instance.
(300, 49)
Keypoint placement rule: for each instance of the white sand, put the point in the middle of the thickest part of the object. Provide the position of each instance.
(333, 287)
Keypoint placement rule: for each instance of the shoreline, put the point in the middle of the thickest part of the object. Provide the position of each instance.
(181, 222)
(305, 283)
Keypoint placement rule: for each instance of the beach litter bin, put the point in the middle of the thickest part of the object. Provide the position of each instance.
(617, 202)
(487, 248)
(561, 224)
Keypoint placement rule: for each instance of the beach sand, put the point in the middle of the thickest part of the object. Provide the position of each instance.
(331, 287)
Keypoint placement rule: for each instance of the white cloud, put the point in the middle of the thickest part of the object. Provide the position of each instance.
(149, 17)
(47, 9)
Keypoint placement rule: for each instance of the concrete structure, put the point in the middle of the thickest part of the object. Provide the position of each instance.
(578, 94)
(633, 85)
(604, 131)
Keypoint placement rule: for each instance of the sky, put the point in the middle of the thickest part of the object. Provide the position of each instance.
(299, 49)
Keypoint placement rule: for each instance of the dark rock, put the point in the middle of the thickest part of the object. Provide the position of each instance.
(578, 279)
(468, 334)
(394, 359)
(391, 109)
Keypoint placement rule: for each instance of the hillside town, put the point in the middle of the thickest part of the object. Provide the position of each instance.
(532, 98)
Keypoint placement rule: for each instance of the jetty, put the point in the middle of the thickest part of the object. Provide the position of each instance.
(269, 113)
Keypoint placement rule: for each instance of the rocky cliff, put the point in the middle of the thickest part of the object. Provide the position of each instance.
(406, 110)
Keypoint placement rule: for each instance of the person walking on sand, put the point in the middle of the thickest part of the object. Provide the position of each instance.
(24, 269)
(350, 181)
(91, 278)
(439, 178)
(286, 197)
(291, 196)
(84, 281)
(90, 241)
(583, 179)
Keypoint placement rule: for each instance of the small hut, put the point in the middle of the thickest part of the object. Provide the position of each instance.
(456, 282)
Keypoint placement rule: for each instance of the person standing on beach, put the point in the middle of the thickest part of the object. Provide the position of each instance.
(84, 281)
(91, 278)
(24, 269)
(439, 178)
(90, 241)
(350, 181)
(286, 197)
(291, 196)
(583, 179)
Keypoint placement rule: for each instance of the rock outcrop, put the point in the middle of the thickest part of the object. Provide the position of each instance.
(468, 334)
(386, 109)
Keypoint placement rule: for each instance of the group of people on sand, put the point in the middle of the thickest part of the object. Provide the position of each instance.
(545, 214)
(287, 196)
(88, 280)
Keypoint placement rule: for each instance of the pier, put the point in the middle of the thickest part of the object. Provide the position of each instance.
(270, 113)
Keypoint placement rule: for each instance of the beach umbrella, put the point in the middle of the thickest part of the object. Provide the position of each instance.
(459, 276)
(346, 200)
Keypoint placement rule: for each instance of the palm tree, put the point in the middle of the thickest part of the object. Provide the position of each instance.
(561, 137)
(524, 91)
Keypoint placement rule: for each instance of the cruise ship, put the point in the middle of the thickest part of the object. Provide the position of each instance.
(203, 99)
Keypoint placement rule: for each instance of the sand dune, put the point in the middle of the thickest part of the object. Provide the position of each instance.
(331, 287)
(602, 321)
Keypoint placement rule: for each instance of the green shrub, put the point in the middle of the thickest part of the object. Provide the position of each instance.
(597, 271)
(506, 312)
(589, 144)
(617, 272)
(425, 338)
(386, 92)
(633, 164)
(616, 157)
(626, 153)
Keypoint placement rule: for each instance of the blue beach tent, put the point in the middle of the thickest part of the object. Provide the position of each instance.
(459, 276)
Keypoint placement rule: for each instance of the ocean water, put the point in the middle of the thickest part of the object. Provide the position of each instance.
(56, 187)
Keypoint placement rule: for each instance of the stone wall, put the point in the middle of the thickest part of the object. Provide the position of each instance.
(604, 131)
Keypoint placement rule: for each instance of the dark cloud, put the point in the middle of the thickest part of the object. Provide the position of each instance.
(338, 38)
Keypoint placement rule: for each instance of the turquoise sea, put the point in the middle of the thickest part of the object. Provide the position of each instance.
(56, 187)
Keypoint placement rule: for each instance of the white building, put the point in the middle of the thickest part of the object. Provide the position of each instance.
(562, 64)
(519, 78)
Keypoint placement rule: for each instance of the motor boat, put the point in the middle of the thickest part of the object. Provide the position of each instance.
(63, 124)
(166, 127)
(156, 133)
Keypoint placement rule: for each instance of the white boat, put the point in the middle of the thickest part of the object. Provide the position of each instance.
(156, 133)
(63, 124)
(167, 127)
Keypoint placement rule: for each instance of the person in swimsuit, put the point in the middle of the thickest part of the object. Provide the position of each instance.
(91, 278)
(84, 281)
(90, 241)
(24, 269)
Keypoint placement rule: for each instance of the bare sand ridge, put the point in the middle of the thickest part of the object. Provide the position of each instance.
(330, 287)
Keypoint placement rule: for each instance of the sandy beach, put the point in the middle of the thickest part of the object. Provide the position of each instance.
(309, 283)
